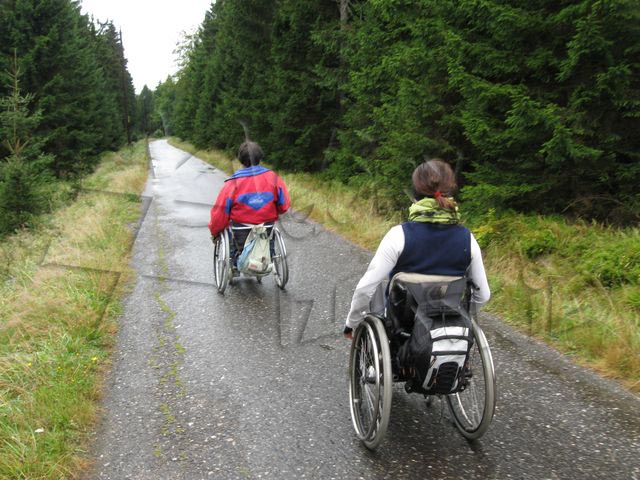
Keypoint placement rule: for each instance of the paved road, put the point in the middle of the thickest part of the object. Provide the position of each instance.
(253, 384)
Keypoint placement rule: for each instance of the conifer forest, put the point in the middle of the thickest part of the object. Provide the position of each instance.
(66, 95)
(536, 103)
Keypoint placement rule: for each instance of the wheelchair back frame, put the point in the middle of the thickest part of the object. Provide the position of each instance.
(243, 230)
(239, 234)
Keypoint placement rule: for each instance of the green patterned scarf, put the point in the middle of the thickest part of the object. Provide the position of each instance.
(427, 210)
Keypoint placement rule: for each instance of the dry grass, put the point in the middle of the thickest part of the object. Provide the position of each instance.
(558, 297)
(339, 209)
(57, 321)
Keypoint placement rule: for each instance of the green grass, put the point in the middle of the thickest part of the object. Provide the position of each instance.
(574, 284)
(57, 324)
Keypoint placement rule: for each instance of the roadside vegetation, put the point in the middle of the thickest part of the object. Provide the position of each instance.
(574, 284)
(59, 288)
(67, 214)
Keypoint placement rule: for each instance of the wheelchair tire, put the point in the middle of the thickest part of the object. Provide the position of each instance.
(370, 382)
(221, 262)
(472, 409)
(281, 267)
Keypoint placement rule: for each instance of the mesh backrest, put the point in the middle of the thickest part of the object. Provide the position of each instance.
(434, 295)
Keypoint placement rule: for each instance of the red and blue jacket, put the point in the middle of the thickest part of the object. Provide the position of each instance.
(251, 195)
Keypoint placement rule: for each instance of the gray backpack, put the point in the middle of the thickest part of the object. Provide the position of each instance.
(436, 326)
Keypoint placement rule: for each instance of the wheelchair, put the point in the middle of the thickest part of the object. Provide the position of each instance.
(224, 270)
(469, 391)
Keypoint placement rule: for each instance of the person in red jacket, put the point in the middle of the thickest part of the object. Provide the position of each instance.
(252, 195)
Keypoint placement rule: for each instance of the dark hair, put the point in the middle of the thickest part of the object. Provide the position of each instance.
(435, 178)
(250, 153)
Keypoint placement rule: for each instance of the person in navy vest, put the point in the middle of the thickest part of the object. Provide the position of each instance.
(432, 242)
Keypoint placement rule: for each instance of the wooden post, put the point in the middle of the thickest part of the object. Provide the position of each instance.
(549, 305)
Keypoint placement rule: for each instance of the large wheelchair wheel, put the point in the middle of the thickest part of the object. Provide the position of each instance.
(281, 268)
(370, 381)
(221, 262)
(472, 409)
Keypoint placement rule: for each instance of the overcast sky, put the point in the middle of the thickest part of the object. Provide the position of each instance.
(150, 31)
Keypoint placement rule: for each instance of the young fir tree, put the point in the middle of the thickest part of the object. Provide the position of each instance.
(21, 170)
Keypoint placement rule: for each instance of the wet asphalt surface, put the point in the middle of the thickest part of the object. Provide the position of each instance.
(253, 384)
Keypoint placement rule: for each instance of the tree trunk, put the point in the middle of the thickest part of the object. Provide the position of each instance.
(125, 94)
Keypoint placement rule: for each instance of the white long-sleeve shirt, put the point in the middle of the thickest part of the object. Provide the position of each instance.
(385, 260)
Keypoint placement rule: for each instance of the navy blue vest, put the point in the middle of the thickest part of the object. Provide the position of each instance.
(434, 249)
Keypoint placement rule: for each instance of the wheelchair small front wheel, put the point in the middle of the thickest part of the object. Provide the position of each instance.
(370, 382)
(472, 409)
(281, 267)
(221, 262)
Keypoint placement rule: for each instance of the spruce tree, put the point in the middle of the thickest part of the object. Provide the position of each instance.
(550, 93)
(301, 105)
(398, 107)
(535, 103)
(118, 88)
(21, 170)
(195, 93)
(236, 74)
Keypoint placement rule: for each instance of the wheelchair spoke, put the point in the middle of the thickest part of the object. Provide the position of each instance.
(370, 403)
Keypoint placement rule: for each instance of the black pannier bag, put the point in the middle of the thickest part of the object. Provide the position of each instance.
(431, 325)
